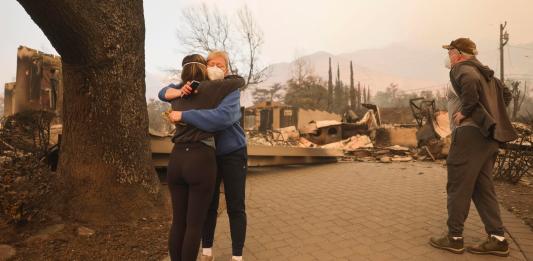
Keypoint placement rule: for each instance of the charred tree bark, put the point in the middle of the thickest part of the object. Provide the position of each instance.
(105, 155)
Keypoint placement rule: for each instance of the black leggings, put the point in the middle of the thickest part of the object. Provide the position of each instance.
(191, 176)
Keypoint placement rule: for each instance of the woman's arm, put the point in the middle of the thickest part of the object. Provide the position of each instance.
(173, 91)
(222, 117)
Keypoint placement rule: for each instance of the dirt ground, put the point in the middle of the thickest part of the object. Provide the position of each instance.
(518, 199)
(55, 239)
(146, 238)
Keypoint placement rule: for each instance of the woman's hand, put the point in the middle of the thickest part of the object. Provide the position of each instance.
(172, 93)
(174, 116)
(186, 89)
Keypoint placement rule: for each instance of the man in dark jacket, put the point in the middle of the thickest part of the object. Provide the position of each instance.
(479, 122)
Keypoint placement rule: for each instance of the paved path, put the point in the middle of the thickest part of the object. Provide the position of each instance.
(353, 211)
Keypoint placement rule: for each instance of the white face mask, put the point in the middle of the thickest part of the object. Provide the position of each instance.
(447, 62)
(215, 73)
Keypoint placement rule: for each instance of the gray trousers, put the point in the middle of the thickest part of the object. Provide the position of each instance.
(470, 163)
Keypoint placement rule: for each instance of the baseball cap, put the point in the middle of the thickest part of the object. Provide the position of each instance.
(464, 45)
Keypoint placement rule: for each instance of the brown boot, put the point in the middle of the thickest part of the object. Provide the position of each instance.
(491, 246)
(447, 242)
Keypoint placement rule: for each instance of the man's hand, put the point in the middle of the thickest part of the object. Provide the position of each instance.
(174, 116)
(458, 117)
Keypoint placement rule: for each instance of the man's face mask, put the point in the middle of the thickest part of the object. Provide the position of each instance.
(447, 62)
(215, 73)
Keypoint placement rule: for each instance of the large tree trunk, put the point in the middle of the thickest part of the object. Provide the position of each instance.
(105, 156)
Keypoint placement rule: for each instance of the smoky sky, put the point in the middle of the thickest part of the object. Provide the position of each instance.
(298, 27)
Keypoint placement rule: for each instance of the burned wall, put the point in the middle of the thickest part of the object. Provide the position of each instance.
(39, 84)
(9, 102)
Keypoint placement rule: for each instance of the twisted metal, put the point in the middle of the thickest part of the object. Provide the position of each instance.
(515, 160)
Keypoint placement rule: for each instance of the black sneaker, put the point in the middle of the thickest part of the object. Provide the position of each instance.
(491, 246)
(447, 242)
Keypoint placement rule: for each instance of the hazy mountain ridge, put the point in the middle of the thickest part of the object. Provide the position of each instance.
(366, 75)
(411, 67)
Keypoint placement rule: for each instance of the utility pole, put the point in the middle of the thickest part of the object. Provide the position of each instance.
(504, 39)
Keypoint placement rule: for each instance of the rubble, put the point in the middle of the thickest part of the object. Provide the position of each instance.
(330, 131)
(363, 140)
(370, 120)
(286, 137)
(305, 143)
(398, 148)
(351, 144)
(433, 128)
(388, 135)
(290, 133)
(318, 134)
(385, 154)
(441, 124)
(323, 132)
(25, 178)
(385, 159)
(365, 126)
(401, 159)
